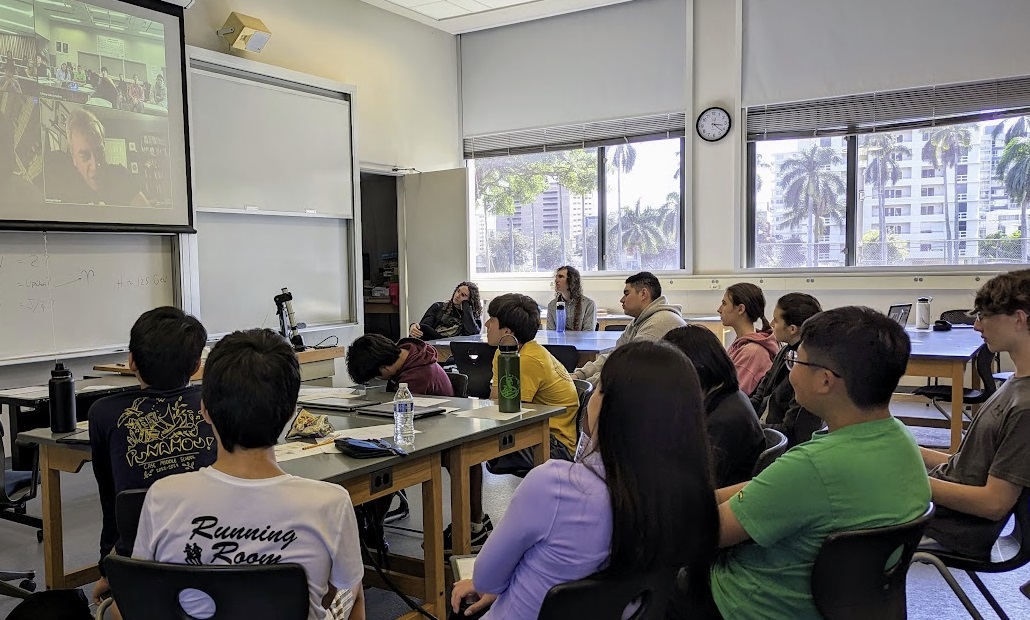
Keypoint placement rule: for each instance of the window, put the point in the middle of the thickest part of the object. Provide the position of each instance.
(538, 211)
(802, 178)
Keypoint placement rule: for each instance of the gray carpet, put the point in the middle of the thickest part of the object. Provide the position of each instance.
(929, 596)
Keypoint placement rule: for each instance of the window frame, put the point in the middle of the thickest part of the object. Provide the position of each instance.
(602, 214)
(852, 194)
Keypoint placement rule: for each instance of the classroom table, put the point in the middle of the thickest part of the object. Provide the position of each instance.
(365, 479)
(30, 406)
(588, 344)
(944, 354)
(711, 321)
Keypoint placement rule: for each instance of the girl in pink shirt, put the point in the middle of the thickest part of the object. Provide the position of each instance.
(752, 351)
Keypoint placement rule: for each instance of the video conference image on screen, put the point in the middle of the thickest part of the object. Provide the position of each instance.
(84, 111)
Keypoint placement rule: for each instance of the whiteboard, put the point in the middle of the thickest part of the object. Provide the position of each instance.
(260, 146)
(245, 260)
(70, 293)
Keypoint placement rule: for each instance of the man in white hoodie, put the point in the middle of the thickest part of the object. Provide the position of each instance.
(653, 317)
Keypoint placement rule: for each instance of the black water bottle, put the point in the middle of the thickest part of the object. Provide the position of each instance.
(62, 400)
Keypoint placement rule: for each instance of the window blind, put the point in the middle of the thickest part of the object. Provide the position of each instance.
(891, 110)
(579, 135)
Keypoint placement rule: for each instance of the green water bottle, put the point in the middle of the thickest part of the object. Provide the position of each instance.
(509, 389)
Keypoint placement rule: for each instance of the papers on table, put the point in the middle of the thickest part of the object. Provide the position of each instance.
(463, 566)
(95, 388)
(421, 401)
(490, 413)
(82, 426)
(36, 391)
(310, 394)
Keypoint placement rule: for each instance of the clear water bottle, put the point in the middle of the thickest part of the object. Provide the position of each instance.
(403, 416)
(559, 316)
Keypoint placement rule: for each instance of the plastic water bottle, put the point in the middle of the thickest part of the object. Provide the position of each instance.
(559, 316)
(403, 416)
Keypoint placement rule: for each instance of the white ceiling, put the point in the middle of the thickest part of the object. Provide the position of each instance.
(459, 16)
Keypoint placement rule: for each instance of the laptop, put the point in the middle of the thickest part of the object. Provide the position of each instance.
(336, 404)
(385, 410)
(900, 312)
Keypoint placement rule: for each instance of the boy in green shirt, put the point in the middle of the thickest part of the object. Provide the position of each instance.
(863, 471)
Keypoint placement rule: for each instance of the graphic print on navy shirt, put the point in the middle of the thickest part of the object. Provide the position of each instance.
(163, 434)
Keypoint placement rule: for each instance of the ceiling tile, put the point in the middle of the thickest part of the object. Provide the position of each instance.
(471, 5)
(440, 10)
(496, 4)
(412, 3)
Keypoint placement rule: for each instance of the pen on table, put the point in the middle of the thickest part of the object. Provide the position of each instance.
(319, 444)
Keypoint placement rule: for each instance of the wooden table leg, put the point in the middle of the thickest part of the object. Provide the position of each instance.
(53, 522)
(958, 374)
(543, 452)
(461, 509)
(432, 526)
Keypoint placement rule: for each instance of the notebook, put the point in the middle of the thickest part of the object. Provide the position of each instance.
(385, 410)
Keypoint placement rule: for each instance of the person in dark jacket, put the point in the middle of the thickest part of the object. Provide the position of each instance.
(774, 396)
(461, 316)
(408, 361)
(734, 432)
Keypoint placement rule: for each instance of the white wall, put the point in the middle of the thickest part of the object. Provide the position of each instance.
(406, 73)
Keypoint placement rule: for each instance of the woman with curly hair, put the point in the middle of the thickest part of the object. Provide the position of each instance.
(580, 311)
(460, 316)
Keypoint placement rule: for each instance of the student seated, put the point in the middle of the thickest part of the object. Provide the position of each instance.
(143, 436)
(461, 316)
(652, 314)
(864, 471)
(638, 499)
(408, 361)
(773, 399)
(580, 310)
(752, 351)
(976, 488)
(734, 431)
(251, 382)
(544, 381)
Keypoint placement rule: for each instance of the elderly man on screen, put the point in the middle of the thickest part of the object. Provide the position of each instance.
(92, 180)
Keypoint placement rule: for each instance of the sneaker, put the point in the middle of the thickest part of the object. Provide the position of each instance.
(478, 538)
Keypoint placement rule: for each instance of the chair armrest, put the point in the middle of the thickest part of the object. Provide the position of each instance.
(102, 608)
(34, 484)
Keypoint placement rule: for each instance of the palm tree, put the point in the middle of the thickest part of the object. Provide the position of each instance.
(942, 150)
(623, 158)
(640, 232)
(1014, 169)
(812, 191)
(882, 169)
(1019, 128)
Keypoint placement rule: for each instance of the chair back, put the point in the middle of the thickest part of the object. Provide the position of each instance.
(615, 328)
(958, 317)
(150, 590)
(128, 506)
(566, 354)
(861, 574)
(475, 361)
(584, 390)
(600, 598)
(983, 362)
(775, 446)
(459, 384)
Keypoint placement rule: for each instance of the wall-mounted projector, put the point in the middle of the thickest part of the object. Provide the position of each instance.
(244, 32)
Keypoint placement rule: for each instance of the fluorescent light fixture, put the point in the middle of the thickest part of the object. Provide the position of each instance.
(111, 26)
(151, 34)
(54, 3)
(26, 12)
(66, 19)
(19, 25)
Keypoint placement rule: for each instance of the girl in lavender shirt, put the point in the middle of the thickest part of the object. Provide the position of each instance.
(639, 499)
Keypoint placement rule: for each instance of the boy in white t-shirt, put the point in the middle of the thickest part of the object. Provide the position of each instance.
(244, 509)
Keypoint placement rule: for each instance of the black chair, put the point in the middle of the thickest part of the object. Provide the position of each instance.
(600, 598)
(475, 360)
(459, 384)
(615, 328)
(584, 389)
(945, 560)
(16, 489)
(861, 574)
(566, 354)
(775, 446)
(150, 590)
(982, 361)
(958, 317)
(127, 508)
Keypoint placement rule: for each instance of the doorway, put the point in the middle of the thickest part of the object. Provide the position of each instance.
(379, 260)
